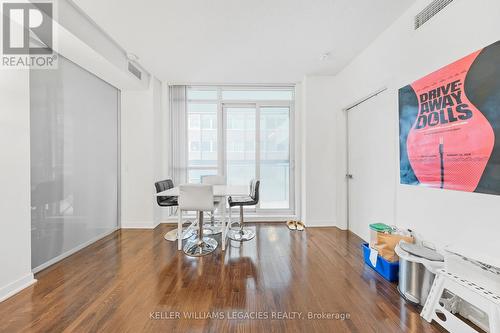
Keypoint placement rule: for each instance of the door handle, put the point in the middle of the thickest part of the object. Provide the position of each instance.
(348, 176)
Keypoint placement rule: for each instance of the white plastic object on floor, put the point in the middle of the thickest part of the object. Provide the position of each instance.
(484, 252)
(475, 268)
(478, 296)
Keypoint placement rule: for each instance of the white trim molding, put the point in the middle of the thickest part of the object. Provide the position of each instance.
(320, 223)
(16, 286)
(248, 218)
(139, 224)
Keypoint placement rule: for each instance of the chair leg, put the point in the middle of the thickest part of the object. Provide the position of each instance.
(243, 234)
(212, 229)
(222, 226)
(201, 245)
(200, 228)
(241, 220)
(179, 230)
(174, 234)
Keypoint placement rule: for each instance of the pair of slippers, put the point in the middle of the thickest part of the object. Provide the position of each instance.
(295, 225)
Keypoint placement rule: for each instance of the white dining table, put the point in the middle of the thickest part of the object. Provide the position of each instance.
(220, 192)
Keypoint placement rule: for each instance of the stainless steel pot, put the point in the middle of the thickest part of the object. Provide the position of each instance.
(415, 279)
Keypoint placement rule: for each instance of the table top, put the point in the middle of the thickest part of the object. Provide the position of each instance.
(219, 191)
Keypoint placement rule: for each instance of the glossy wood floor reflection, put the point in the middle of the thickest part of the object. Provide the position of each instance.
(135, 281)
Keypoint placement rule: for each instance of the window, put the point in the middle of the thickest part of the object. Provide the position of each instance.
(194, 146)
(208, 122)
(202, 94)
(275, 156)
(202, 135)
(194, 121)
(240, 142)
(243, 133)
(194, 175)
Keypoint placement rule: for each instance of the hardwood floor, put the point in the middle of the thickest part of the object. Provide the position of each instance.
(135, 281)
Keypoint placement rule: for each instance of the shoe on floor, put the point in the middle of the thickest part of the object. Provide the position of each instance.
(291, 225)
(300, 225)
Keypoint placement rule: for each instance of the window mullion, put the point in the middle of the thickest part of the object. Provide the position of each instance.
(257, 145)
(221, 137)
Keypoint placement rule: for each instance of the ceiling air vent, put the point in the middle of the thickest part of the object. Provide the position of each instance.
(134, 70)
(425, 15)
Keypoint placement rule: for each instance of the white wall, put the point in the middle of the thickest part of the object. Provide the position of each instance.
(398, 57)
(15, 218)
(298, 145)
(142, 155)
(160, 100)
(166, 172)
(318, 207)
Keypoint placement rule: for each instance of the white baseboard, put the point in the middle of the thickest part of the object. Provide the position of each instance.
(156, 223)
(138, 225)
(254, 218)
(13, 288)
(320, 223)
(263, 218)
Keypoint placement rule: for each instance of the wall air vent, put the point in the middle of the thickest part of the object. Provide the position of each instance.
(134, 70)
(432, 9)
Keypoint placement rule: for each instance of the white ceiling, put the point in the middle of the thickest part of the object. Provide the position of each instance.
(237, 41)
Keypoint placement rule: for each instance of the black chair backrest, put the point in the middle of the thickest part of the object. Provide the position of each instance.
(161, 186)
(255, 190)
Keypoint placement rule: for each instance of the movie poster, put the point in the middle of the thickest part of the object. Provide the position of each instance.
(449, 126)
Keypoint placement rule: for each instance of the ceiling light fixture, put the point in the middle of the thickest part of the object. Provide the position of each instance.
(324, 56)
(132, 57)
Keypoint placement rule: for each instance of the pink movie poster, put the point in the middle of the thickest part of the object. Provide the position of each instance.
(449, 126)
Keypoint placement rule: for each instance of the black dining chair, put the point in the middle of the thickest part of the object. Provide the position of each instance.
(164, 185)
(244, 234)
(169, 201)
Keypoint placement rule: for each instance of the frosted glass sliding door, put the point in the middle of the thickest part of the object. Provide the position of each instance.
(74, 161)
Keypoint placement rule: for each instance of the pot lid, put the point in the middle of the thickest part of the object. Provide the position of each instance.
(421, 251)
